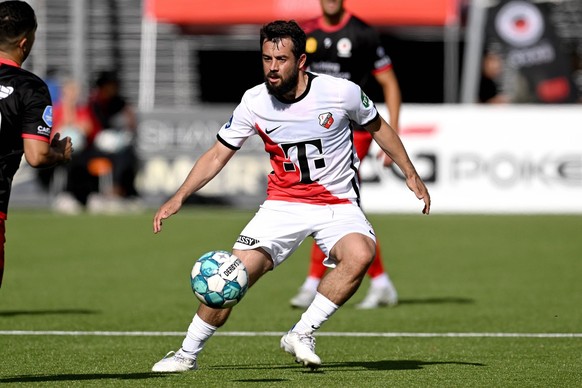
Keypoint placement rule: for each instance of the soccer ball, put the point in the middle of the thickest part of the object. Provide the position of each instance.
(219, 279)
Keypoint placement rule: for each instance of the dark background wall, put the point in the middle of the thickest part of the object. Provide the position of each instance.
(418, 66)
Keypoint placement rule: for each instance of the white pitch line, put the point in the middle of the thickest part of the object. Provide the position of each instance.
(277, 334)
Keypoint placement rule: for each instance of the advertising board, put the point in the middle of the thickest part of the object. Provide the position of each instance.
(474, 159)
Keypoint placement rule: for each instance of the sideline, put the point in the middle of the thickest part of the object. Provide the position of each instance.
(277, 334)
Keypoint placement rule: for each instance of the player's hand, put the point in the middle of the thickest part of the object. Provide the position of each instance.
(169, 208)
(417, 186)
(386, 160)
(62, 146)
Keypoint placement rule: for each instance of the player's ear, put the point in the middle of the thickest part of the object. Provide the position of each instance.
(22, 43)
(25, 44)
(23, 47)
(301, 61)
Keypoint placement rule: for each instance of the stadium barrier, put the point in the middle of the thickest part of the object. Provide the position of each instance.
(474, 158)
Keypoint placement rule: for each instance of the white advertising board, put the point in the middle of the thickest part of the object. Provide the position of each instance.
(484, 159)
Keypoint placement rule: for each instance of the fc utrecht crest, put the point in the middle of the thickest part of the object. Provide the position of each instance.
(326, 120)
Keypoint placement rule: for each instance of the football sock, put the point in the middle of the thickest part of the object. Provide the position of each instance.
(310, 283)
(316, 314)
(198, 333)
(382, 281)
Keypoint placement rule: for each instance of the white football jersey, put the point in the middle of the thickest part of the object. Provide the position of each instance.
(309, 139)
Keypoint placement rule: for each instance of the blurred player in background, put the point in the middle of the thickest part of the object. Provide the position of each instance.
(312, 191)
(25, 108)
(340, 44)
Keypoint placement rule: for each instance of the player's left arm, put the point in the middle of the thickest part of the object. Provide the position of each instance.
(39, 149)
(40, 153)
(390, 143)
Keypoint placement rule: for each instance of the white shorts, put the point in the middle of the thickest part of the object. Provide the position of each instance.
(279, 227)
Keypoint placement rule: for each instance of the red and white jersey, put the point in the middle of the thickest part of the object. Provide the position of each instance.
(309, 139)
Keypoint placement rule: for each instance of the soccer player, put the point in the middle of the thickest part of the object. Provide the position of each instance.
(304, 121)
(25, 108)
(342, 45)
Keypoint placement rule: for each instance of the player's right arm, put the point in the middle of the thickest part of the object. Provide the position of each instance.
(203, 171)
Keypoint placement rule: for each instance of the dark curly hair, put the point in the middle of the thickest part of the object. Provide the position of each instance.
(279, 29)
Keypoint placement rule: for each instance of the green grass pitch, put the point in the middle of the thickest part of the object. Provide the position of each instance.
(485, 301)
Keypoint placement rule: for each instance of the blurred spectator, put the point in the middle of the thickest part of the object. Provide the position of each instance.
(101, 174)
(72, 117)
(491, 70)
(117, 125)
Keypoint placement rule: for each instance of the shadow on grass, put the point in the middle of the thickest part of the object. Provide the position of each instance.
(443, 300)
(382, 365)
(393, 364)
(260, 381)
(15, 313)
(81, 377)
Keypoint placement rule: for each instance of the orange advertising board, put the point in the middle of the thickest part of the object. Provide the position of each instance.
(225, 12)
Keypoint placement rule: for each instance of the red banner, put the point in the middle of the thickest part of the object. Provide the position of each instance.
(226, 12)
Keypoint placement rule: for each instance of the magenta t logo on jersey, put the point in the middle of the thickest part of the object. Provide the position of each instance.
(326, 120)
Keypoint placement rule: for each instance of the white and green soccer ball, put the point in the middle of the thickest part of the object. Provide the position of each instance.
(219, 279)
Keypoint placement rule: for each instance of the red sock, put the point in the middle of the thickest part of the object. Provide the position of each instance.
(376, 268)
(316, 267)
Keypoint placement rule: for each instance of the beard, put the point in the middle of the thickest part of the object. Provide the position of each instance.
(286, 85)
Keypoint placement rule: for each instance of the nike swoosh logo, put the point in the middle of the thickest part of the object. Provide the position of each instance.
(268, 131)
